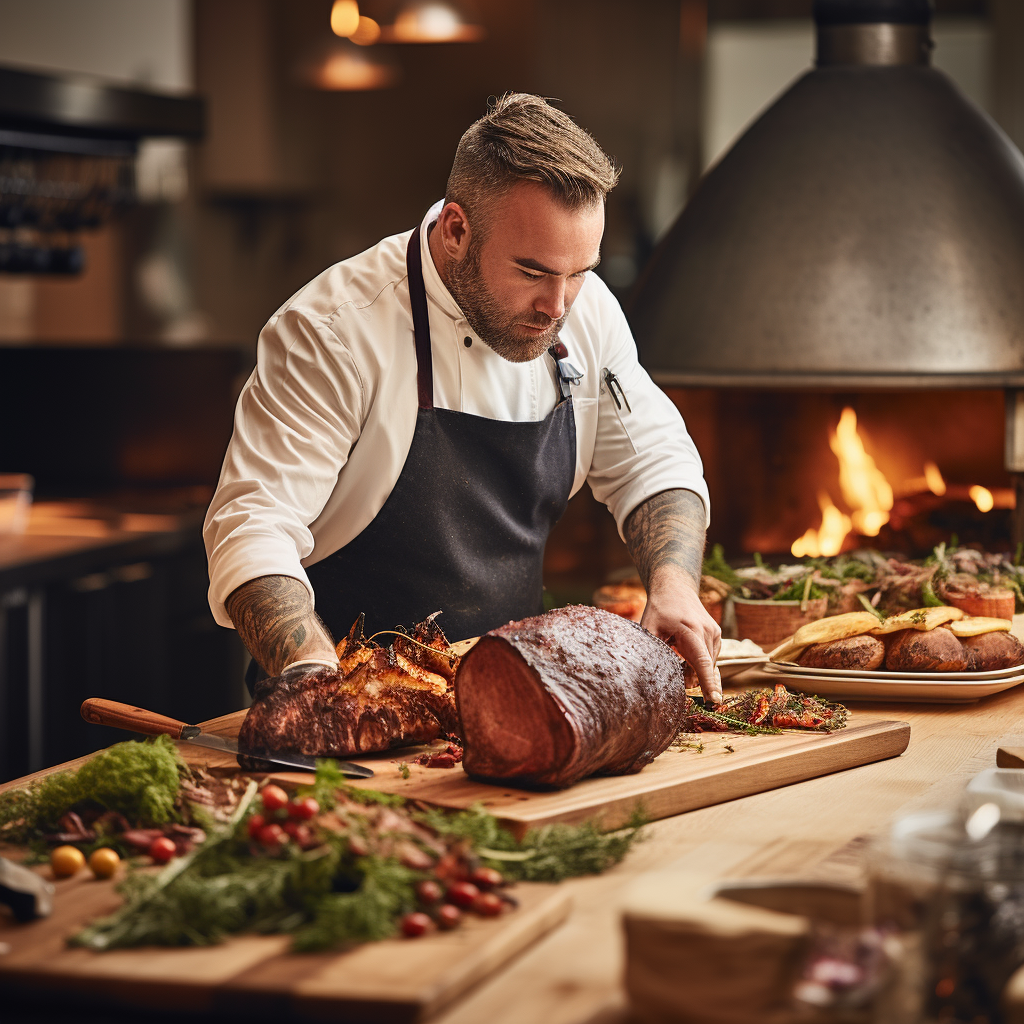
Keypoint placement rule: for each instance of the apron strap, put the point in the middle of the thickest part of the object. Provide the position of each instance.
(420, 323)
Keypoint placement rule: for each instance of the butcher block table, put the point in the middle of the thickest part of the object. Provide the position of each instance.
(809, 829)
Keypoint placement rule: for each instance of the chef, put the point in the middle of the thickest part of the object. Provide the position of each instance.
(420, 414)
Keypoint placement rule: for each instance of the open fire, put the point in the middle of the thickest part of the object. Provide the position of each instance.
(870, 497)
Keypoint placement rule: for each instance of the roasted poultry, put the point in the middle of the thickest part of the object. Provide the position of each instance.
(378, 697)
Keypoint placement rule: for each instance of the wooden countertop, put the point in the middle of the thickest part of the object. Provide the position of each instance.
(811, 829)
(62, 537)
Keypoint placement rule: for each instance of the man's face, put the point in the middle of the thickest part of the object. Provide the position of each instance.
(517, 285)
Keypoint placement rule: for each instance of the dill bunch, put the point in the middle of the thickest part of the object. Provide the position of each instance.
(139, 779)
(548, 854)
(385, 892)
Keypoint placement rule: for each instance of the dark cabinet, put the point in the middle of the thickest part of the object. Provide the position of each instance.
(127, 623)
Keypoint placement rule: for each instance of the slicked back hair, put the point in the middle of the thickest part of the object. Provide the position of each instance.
(522, 137)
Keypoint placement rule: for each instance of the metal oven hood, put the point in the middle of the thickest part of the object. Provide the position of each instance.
(866, 231)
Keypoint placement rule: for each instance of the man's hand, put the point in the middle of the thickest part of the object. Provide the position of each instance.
(675, 613)
(665, 536)
(274, 617)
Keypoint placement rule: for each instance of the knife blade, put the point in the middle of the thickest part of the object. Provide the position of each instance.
(124, 716)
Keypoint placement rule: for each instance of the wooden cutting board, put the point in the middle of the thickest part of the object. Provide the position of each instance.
(398, 980)
(729, 766)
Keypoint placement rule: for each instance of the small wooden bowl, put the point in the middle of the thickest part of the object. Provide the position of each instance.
(713, 604)
(996, 603)
(625, 599)
(768, 623)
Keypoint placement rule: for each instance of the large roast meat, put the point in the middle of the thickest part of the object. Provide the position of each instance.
(578, 691)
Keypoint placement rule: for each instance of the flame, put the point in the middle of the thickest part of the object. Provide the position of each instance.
(982, 497)
(933, 478)
(828, 539)
(865, 489)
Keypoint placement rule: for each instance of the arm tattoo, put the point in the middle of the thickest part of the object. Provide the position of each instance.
(274, 617)
(667, 530)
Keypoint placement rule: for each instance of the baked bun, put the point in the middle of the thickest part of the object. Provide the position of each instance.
(934, 650)
(854, 652)
(990, 651)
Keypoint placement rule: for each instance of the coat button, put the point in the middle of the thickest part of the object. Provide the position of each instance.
(467, 342)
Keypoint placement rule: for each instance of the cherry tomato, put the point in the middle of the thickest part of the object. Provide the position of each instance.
(162, 849)
(273, 835)
(256, 822)
(486, 878)
(66, 861)
(416, 924)
(448, 917)
(274, 798)
(488, 904)
(462, 894)
(104, 862)
(302, 834)
(429, 891)
(303, 809)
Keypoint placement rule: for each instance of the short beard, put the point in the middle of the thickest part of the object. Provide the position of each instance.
(500, 330)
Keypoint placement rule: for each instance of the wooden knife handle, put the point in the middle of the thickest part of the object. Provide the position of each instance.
(124, 716)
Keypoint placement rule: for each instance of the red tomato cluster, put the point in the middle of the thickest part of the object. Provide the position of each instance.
(282, 820)
(447, 905)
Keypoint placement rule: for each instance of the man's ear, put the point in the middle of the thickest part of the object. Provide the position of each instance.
(455, 232)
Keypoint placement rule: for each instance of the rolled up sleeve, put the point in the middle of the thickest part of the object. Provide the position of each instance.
(296, 420)
(642, 446)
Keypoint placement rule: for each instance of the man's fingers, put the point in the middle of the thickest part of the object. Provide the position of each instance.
(695, 650)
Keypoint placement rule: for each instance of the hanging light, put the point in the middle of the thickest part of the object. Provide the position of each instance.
(347, 22)
(367, 32)
(345, 67)
(344, 17)
(431, 21)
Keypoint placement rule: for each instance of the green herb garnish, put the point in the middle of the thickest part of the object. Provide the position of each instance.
(139, 779)
(344, 890)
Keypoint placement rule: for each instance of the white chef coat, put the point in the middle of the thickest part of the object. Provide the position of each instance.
(325, 422)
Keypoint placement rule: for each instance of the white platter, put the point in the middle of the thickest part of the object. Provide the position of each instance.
(791, 668)
(732, 667)
(869, 685)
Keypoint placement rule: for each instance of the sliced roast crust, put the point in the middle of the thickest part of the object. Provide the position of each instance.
(577, 691)
(853, 652)
(933, 650)
(990, 651)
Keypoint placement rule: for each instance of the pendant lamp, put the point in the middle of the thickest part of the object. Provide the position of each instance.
(432, 21)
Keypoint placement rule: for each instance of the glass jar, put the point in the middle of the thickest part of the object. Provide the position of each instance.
(955, 908)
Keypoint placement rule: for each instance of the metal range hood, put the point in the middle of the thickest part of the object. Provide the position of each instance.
(866, 231)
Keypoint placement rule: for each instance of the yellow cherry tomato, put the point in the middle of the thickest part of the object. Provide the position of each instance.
(103, 862)
(66, 861)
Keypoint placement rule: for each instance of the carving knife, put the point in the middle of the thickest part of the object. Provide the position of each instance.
(124, 716)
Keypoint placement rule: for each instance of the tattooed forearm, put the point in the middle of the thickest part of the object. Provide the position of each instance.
(665, 531)
(274, 617)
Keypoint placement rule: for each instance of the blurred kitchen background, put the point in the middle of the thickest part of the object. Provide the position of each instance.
(171, 171)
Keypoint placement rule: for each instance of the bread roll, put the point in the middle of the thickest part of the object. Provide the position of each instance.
(935, 650)
(854, 652)
(990, 651)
